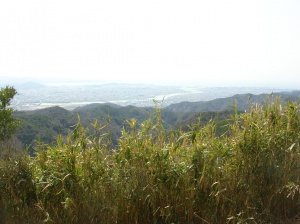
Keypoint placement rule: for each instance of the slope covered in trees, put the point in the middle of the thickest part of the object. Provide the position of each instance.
(242, 102)
(46, 124)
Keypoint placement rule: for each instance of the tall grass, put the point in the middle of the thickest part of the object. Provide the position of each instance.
(248, 175)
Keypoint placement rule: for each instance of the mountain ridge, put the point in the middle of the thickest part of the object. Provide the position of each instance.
(46, 124)
(242, 101)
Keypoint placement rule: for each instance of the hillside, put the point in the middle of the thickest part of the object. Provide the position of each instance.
(241, 100)
(46, 124)
(43, 125)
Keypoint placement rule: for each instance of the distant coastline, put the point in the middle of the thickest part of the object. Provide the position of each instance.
(32, 96)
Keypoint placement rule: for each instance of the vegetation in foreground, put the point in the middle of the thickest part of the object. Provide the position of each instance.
(250, 174)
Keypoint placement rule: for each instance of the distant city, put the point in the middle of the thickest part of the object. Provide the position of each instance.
(33, 95)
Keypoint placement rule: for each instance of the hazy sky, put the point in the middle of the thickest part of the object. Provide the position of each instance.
(209, 42)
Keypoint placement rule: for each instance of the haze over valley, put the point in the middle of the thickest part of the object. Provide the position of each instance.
(32, 95)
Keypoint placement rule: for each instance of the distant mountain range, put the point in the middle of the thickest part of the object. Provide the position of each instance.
(242, 101)
(46, 124)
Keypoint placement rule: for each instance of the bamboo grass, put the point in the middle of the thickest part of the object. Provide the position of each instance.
(248, 175)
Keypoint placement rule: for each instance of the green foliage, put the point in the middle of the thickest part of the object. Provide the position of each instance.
(248, 175)
(8, 124)
(43, 125)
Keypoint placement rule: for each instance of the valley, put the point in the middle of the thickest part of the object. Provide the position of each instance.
(70, 96)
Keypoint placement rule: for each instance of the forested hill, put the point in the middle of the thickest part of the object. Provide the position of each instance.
(241, 100)
(46, 124)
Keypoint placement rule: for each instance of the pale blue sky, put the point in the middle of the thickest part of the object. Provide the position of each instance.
(215, 42)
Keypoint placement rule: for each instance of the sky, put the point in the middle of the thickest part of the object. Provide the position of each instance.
(192, 42)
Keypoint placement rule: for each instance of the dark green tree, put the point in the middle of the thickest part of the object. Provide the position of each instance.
(8, 124)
